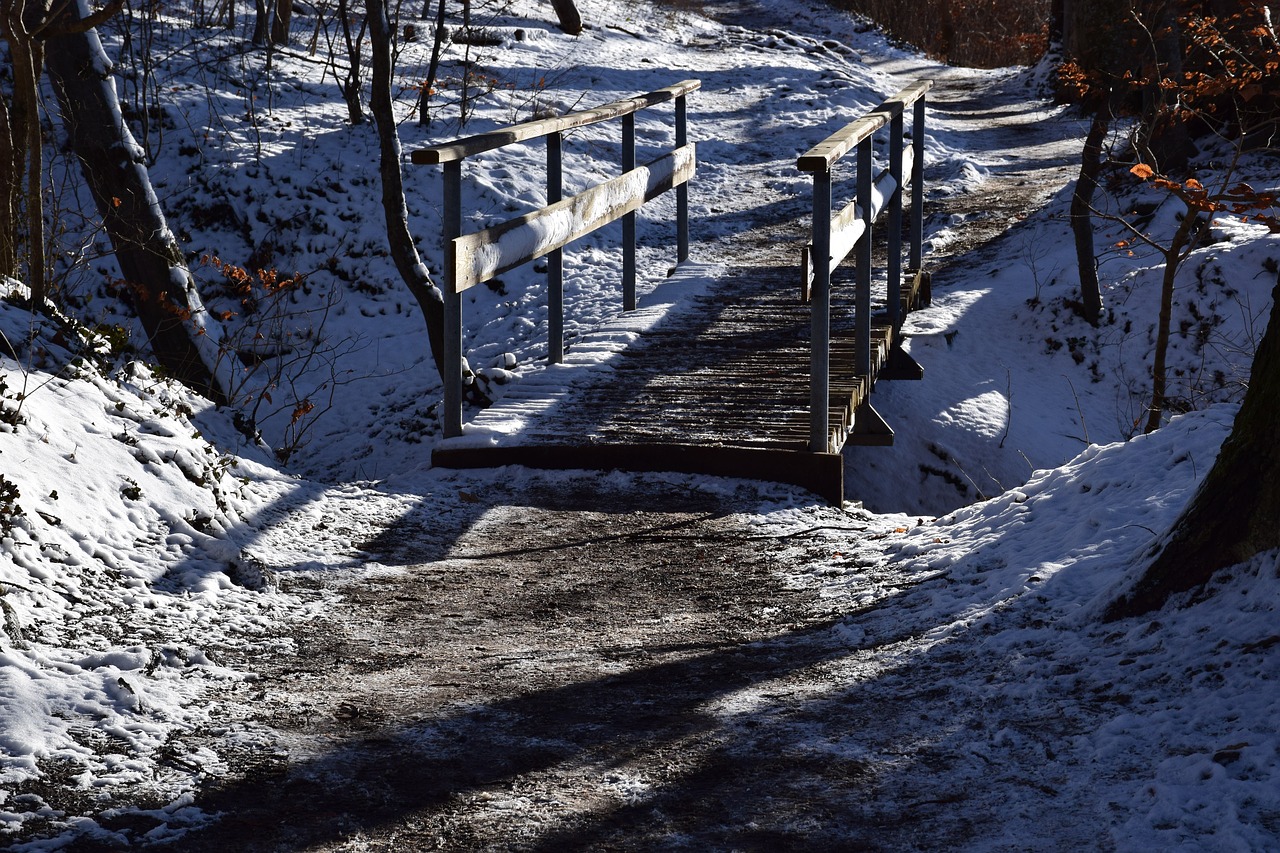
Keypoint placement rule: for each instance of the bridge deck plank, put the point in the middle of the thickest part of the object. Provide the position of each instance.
(720, 387)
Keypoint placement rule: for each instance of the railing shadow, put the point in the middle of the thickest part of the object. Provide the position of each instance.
(417, 770)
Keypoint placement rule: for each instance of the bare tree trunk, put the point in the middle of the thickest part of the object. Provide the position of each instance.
(1181, 245)
(433, 67)
(11, 162)
(1161, 138)
(400, 242)
(26, 87)
(1057, 24)
(280, 21)
(1082, 221)
(349, 82)
(567, 14)
(114, 168)
(1233, 515)
(22, 23)
(262, 14)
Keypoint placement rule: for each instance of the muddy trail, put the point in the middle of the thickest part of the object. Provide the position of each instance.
(550, 683)
(577, 668)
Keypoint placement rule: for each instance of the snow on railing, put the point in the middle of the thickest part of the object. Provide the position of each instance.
(834, 237)
(474, 258)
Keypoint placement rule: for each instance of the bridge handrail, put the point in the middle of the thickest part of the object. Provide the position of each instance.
(479, 256)
(826, 153)
(469, 146)
(835, 236)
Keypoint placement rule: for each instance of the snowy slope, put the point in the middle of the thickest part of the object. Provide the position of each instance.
(140, 532)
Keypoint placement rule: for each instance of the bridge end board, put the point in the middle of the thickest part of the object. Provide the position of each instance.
(900, 365)
(920, 292)
(870, 429)
(820, 473)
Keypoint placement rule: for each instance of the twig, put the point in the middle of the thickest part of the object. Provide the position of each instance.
(805, 532)
(1079, 411)
(1008, 396)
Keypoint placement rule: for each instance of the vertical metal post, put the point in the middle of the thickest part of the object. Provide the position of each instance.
(917, 186)
(452, 301)
(682, 191)
(862, 295)
(629, 220)
(894, 287)
(820, 321)
(555, 258)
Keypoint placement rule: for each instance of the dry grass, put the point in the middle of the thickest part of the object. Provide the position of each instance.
(977, 33)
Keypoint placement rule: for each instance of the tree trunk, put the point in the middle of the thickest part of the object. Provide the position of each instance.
(1057, 24)
(1092, 35)
(26, 91)
(567, 14)
(399, 240)
(1179, 247)
(262, 15)
(281, 21)
(21, 24)
(433, 68)
(349, 83)
(1082, 222)
(10, 193)
(113, 164)
(1233, 515)
(1161, 138)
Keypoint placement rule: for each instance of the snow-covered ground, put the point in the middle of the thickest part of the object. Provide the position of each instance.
(140, 532)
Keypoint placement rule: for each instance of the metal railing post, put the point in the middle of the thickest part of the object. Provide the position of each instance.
(894, 286)
(682, 191)
(555, 258)
(452, 302)
(862, 295)
(917, 185)
(820, 321)
(629, 220)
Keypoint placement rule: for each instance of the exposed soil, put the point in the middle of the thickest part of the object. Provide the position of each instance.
(544, 685)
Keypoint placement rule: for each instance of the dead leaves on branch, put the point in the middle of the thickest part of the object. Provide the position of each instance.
(1239, 199)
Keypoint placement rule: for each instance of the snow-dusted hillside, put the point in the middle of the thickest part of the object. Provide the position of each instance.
(142, 534)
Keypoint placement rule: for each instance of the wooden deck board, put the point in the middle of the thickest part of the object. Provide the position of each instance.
(721, 389)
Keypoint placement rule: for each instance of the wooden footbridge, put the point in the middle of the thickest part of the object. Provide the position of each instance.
(758, 370)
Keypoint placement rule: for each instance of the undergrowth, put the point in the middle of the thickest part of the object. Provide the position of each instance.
(974, 33)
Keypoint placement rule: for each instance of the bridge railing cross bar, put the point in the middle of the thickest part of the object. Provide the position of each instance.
(835, 236)
(474, 258)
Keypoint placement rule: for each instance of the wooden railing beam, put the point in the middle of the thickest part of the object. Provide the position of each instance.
(470, 146)
(555, 258)
(820, 319)
(917, 185)
(682, 191)
(833, 237)
(452, 355)
(894, 269)
(473, 258)
(862, 296)
(480, 255)
(629, 218)
(831, 150)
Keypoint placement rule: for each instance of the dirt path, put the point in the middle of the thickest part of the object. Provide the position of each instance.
(581, 669)
(549, 684)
